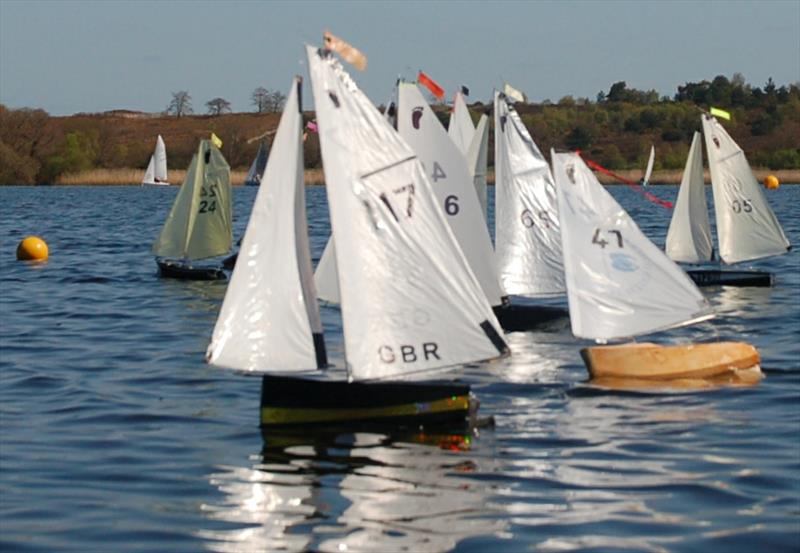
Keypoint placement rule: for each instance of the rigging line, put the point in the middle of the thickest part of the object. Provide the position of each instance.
(652, 197)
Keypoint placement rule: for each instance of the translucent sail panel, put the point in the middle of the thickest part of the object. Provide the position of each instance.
(447, 170)
(269, 319)
(746, 226)
(199, 224)
(410, 302)
(477, 160)
(160, 167)
(258, 166)
(689, 234)
(619, 284)
(150, 172)
(326, 276)
(461, 129)
(527, 228)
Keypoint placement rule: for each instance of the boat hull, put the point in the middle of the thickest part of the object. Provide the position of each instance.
(521, 317)
(658, 364)
(172, 269)
(288, 402)
(716, 277)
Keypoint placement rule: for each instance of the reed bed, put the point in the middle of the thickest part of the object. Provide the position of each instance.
(315, 177)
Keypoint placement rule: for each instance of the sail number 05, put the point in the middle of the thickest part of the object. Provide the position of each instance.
(742, 206)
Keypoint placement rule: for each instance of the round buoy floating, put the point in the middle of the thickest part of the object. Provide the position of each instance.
(32, 248)
(771, 182)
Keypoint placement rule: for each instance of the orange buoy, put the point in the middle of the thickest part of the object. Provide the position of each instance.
(32, 248)
(771, 182)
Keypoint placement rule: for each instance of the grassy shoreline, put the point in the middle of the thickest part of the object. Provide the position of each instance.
(315, 177)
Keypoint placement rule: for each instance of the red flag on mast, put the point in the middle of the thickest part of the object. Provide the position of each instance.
(431, 85)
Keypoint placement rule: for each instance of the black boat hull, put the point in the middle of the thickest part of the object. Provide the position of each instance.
(716, 277)
(521, 317)
(288, 402)
(171, 269)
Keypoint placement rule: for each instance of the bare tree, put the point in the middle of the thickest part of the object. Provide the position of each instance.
(268, 101)
(218, 106)
(181, 104)
(260, 97)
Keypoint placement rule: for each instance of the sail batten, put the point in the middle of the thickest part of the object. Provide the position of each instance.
(747, 228)
(269, 320)
(527, 227)
(410, 302)
(619, 284)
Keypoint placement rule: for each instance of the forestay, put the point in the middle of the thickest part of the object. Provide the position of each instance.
(460, 128)
(619, 284)
(746, 226)
(527, 228)
(689, 234)
(477, 160)
(452, 184)
(410, 302)
(199, 224)
(269, 319)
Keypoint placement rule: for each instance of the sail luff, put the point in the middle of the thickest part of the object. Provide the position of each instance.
(410, 302)
(747, 228)
(269, 317)
(689, 234)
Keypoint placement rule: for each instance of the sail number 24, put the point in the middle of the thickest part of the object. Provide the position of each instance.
(208, 205)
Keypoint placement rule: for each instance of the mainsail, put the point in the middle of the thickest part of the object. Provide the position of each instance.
(199, 224)
(452, 184)
(270, 319)
(619, 284)
(747, 228)
(410, 302)
(527, 228)
(689, 234)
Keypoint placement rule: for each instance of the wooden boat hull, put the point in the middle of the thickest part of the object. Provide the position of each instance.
(521, 317)
(288, 402)
(172, 269)
(716, 277)
(655, 363)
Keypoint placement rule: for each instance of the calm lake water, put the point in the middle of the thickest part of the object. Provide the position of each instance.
(116, 436)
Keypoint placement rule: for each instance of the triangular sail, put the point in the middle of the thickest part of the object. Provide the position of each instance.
(649, 170)
(325, 276)
(150, 172)
(460, 128)
(527, 228)
(160, 155)
(410, 302)
(257, 167)
(477, 160)
(199, 223)
(269, 320)
(447, 170)
(746, 226)
(619, 284)
(689, 234)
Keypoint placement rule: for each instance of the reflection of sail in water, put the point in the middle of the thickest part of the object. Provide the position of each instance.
(263, 506)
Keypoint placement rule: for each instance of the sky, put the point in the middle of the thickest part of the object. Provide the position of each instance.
(69, 56)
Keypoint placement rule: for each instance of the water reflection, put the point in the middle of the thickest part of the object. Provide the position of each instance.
(353, 492)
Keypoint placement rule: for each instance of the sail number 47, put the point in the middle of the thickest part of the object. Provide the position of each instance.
(602, 242)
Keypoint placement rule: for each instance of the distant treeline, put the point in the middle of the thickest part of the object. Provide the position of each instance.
(615, 129)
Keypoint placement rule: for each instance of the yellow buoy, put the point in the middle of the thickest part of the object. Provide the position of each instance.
(772, 182)
(32, 248)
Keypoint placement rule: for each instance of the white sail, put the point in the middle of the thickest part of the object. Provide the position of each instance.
(269, 320)
(649, 170)
(326, 277)
(527, 228)
(746, 226)
(150, 172)
(477, 160)
(410, 302)
(460, 128)
(258, 166)
(199, 223)
(160, 169)
(452, 184)
(619, 284)
(689, 234)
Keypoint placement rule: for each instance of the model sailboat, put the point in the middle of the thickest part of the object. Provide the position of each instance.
(527, 227)
(257, 167)
(410, 304)
(156, 172)
(620, 285)
(199, 224)
(649, 169)
(747, 228)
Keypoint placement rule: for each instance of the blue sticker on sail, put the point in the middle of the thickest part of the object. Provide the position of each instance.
(623, 262)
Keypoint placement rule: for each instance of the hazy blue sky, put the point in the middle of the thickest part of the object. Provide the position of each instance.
(71, 56)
